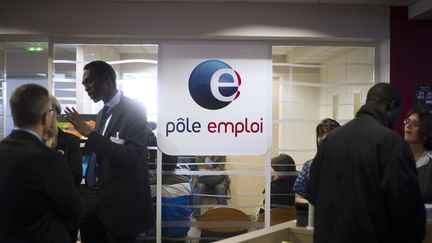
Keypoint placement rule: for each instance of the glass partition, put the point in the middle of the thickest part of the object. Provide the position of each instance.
(135, 66)
(312, 83)
(208, 198)
(20, 63)
(2, 92)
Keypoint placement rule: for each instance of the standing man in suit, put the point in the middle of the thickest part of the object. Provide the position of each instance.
(37, 193)
(117, 197)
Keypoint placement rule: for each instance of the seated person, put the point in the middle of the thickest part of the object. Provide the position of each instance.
(214, 184)
(177, 194)
(300, 185)
(282, 183)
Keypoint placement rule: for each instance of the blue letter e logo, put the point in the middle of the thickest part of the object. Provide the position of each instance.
(213, 84)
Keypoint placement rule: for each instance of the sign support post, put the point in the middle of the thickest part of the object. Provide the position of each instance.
(159, 196)
(267, 188)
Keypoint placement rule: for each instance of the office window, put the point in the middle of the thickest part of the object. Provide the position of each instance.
(135, 66)
(20, 63)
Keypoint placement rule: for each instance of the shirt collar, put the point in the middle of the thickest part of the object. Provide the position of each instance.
(429, 154)
(114, 100)
(29, 131)
(424, 159)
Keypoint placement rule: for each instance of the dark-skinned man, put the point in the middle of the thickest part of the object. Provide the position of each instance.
(117, 204)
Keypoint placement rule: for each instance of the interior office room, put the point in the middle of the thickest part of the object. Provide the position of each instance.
(325, 55)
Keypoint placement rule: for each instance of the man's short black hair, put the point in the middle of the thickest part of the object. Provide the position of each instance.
(102, 69)
(283, 163)
(169, 162)
(385, 98)
(28, 104)
(384, 94)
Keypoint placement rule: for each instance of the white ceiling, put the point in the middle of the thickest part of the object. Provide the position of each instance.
(310, 54)
(418, 9)
(314, 55)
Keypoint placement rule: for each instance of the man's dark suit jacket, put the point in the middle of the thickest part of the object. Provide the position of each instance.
(37, 194)
(70, 145)
(124, 191)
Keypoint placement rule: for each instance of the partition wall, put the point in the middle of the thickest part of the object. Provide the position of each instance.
(310, 83)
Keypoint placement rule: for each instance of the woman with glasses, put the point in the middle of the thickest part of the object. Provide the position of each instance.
(418, 134)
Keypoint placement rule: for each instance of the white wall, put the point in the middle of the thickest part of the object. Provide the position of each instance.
(345, 79)
(384, 62)
(299, 114)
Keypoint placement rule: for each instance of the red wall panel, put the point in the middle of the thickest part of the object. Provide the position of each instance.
(410, 55)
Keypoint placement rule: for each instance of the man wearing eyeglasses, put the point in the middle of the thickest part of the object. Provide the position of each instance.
(37, 193)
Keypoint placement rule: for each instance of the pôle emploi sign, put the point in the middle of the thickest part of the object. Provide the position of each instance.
(214, 98)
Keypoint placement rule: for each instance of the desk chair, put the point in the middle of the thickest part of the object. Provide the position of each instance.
(279, 215)
(212, 185)
(302, 210)
(227, 222)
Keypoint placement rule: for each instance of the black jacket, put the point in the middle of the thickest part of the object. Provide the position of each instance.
(364, 185)
(283, 185)
(124, 191)
(37, 194)
(70, 146)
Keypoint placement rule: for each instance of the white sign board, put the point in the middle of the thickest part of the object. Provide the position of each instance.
(214, 98)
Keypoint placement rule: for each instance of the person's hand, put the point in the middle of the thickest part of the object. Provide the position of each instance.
(51, 142)
(80, 125)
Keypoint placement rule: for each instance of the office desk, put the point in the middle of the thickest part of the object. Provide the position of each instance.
(290, 233)
(428, 238)
(282, 232)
